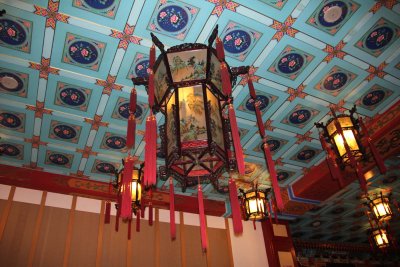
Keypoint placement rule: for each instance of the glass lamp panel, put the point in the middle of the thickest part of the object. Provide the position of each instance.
(331, 128)
(253, 204)
(216, 128)
(381, 209)
(170, 130)
(135, 174)
(160, 83)
(350, 139)
(135, 185)
(188, 65)
(380, 237)
(215, 72)
(193, 125)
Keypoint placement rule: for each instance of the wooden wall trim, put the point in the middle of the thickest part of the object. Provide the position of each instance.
(157, 238)
(229, 241)
(182, 239)
(67, 248)
(6, 211)
(36, 231)
(100, 235)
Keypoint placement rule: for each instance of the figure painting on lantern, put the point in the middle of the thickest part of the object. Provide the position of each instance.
(187, 66)
(191, 114)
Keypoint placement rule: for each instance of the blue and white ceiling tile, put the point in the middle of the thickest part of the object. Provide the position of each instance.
(64, 160)
(335, 80)
(377, 39)
(287, 174)
(304, 155)
(72, 96)
(16, 121)
(177, 22)
(15, 150)
(21, 34)
(18, 83)
(101, 168)
(330, 20)
(111, 142)
(290, 62)
(393, 67)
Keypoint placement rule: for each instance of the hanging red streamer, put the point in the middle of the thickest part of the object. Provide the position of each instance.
(138, 220)
(151, 89)
(119, 201)
(330, 159)
(374, 151)
(236, 140)
(251, 88)
(126, 205)
(260, 123)
(150, 153)
(236, 214)
(152, 57)
(202, 216)
(132, 101)
(151, 207)
(142, 210)
(107, 215)
(273, 176)
(220, 49)
(226, 80)
(130, 135)
(172, 209)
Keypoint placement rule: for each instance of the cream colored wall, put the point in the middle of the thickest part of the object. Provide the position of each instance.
(247, 250)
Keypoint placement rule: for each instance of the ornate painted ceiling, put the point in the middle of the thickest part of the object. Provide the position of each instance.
(65, 71)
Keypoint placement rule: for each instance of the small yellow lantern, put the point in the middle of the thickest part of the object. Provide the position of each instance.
(380, 237)
(379, 207)
(254, 204)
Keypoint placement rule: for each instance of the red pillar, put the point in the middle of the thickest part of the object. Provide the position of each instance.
(278, 239)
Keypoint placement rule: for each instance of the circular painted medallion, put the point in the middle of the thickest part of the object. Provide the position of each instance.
(10, 82)
(123, 110)
(282, 176)
(72, 96)
(316, 223)
(379, 38)
(290, 63)
(263, 102)
(335, 81)
(64, 131)
(338, 210)
(58, 159)
(105, 167)
(115, 142)
(99, 4)
(273, 144)
(373, 97)
(11, 32)
(172, 18)
(306, 154)
(300, 116)
(9, 150)
(332, 13)
(9, 120)
(142, 68)
(83, 52)
(237, 41)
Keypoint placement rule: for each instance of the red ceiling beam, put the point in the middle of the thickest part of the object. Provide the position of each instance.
(58, 183)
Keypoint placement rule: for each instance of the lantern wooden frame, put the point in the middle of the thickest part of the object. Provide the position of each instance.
(254, 204)
(379, 207)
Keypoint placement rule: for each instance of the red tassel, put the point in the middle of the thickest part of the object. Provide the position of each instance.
(132, 101)
(254, 225)
(275, 211)
(375, 153)
(142, 210)
(107, 215)
(260, 123)
(226, 80)
(116, 223)
(236, 140)
(118, 213)
(269, 211)
(330, 158)
(203, 231)
(251, 88)
(220, 49)
(130, 136)
(152, 57)
(138, 221)
(126, 204)
(172, 210)
(273, 176)
(151, 89)
(150, 174)
(129, 228)
(236, 217)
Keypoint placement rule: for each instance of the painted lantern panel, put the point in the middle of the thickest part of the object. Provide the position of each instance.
(191, 114)
(215, 72)
(188, 65)
(171, 130)
(215, 120)
(160, 83)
